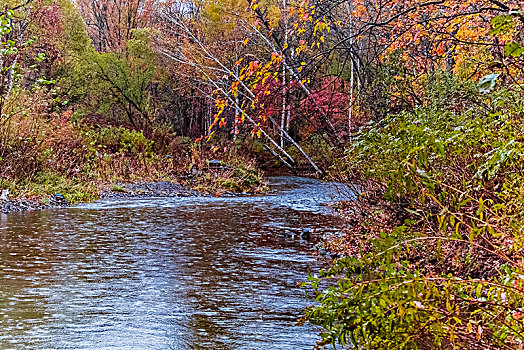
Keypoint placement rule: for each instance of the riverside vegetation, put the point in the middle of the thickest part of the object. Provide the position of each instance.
(418, 104)
(63, 128)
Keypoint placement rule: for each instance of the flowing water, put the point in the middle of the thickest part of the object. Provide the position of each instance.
(163, 273)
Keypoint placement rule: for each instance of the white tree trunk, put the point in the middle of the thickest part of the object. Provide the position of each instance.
(237, 102)
(284, 102)
(227, 95)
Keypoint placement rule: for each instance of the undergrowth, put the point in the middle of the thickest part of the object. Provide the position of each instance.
(434, 247)
(45, 154)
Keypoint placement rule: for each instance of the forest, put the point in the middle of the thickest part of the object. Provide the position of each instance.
(417, 104)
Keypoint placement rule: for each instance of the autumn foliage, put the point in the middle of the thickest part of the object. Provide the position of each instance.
(416, 102)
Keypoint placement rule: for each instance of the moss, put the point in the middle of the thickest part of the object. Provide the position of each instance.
(230, 184)
(44, 184)
(118, 188)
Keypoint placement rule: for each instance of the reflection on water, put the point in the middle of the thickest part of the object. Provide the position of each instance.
(177, 273)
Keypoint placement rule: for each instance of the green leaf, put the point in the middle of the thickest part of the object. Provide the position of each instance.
(478, 291)
(501, 24)
(513, 49)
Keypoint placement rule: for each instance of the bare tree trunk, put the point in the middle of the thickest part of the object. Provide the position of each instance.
(352, 71)
(283, 115)
(238, 109)
(350, 117)
(284, 104)
(11, 78)
(237, 102)
(11, 70)
(208, 55)
(275, 154)
(288, 116)
(293, 71)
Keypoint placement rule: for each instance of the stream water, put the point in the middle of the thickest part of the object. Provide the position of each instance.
(163, 273)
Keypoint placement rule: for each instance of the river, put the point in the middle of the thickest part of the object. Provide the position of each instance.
(163, 273)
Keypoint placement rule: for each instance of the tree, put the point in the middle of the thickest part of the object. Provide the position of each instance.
(110, 23)
(205, 58)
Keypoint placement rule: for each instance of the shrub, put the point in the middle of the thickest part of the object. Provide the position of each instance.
(121, 139)
(436, 237)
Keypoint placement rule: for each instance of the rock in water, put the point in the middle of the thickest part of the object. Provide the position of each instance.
(59, 199)
(306, 234)
(215, 163)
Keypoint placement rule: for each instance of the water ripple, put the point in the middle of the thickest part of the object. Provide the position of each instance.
(175, 273)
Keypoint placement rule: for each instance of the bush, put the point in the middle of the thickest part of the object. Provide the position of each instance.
(121, 140)
(435, 244)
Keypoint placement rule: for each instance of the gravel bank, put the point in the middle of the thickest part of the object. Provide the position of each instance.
(20, 205)
(119, 190)
(148, 189)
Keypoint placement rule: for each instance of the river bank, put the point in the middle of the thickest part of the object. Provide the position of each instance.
(139, 189)
(205, 178)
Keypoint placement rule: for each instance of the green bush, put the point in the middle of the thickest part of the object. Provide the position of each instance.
(123, 140)
(438, 261)
(44, 184)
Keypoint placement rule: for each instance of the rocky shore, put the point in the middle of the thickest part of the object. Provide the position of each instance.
(147, 189)
(108, 191)
(19, 205)
(117, 190)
